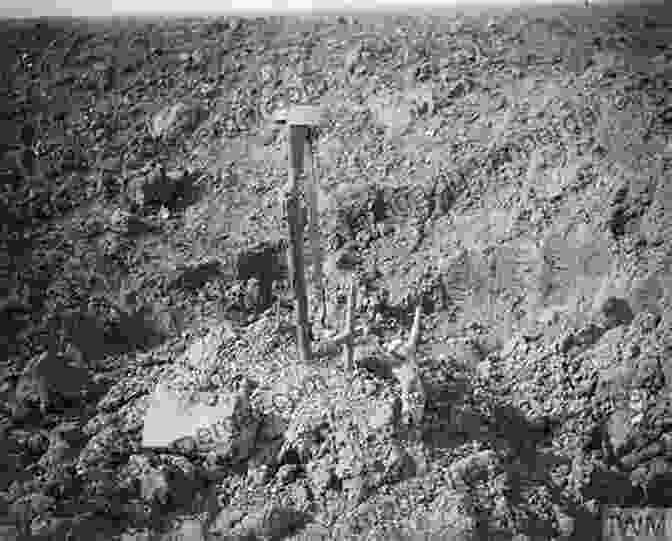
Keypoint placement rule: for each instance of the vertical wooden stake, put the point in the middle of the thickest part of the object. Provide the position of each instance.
(296, 137)
(299, 119)
(314, 230)
(349, 350)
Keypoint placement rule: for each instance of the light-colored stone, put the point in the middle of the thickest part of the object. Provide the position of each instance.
(202, 353)
(386, 414)
(620, 428)
(227, 428)
(320, 473)
(189, 530)
(177, 117)
(413, 393)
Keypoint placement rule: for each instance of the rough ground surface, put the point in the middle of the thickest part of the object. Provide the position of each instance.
(511, 172)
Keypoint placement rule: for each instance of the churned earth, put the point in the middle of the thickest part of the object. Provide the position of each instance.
(507, 171)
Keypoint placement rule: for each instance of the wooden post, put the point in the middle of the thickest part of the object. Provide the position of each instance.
(349, 349)
(314, 231)
(297, 136)
(299, 120)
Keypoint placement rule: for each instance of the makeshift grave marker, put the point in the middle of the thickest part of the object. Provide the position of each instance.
(301, 122)
(227, 428)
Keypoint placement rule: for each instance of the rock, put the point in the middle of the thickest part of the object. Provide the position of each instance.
(385, 415)
(619, 429)
(452, 518)
(137, 536)
(565, 523)
(227, 428)
(155, 486)
(48, 378)
(203, 353)
(259, 476)
(38, 444)
(413, 393)
(419, 462)
(370, 356)
(607, 351)
(272, 522)
(355, 488)
(646, 322)
(473, 469)
(266, 263)
(486, 370)
(227, 519)
(352, 60)
(301, 495)
(579, 341)
(189, 530)
(464, 350)
(320, 474)
(59, 453)
(398, 464)
(286, 473)
(616, 312)
(177, 120)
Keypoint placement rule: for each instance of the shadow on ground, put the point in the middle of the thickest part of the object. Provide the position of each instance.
(522, 444)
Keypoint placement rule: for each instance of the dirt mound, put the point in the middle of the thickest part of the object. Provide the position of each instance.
(508, 172)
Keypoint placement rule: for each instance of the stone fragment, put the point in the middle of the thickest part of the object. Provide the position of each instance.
(177, 119)
(413, 393)
(301, 495)
(355, 488)
(321, 474)
(227, 519)
(579, 341)
(620, 429)
(272, 522)
(59, 453)
(202, 353)
(474, 468)
(155, 486)
(189, 530)
(286, 473)
(227, 428)
(258, 476)
(49, 378)
(452, 518)
(385, 415)
(616, 312)
(565, 523)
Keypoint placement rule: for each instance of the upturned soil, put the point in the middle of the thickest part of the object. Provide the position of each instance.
(509, 171)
